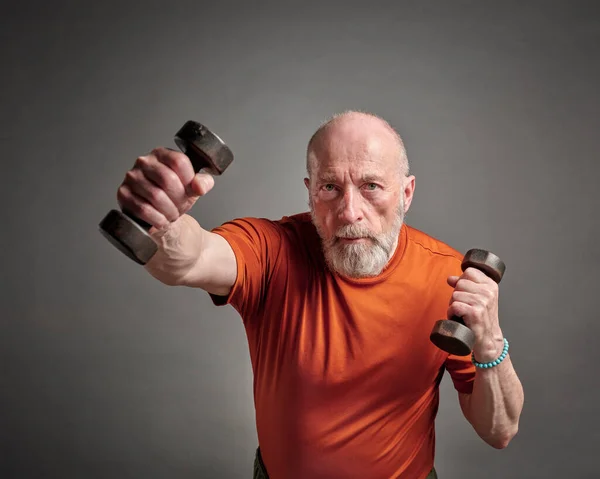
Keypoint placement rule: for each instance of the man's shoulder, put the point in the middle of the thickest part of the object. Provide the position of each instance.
(297, 226)
(299, 229)
(425, 243)
(300, 220)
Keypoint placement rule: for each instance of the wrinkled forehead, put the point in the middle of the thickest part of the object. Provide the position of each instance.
(354, 152)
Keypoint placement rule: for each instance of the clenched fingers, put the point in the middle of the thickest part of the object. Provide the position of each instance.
(163, 177)
(149, 191)
(194, 184)
(138, 206)
(176, 161)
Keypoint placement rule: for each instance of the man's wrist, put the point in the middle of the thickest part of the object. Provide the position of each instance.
(489, 350)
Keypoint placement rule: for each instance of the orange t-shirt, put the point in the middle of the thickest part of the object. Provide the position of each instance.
(345, 376)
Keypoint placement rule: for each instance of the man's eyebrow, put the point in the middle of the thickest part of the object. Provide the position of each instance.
(372, 178)
(367, 178)
(327, 178)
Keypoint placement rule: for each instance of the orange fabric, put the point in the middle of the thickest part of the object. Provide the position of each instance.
(345, 377)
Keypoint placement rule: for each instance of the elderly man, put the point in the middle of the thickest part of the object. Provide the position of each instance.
(338, 303)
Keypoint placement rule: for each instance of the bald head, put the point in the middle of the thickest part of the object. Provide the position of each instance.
(356, 132)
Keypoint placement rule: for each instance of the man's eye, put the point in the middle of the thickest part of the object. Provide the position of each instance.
(371, 186)
(329, 187)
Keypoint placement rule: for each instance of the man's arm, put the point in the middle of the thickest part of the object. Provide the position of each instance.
(495, 404)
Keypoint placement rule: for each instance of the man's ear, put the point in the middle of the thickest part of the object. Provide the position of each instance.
(409, 192)
(307, 183)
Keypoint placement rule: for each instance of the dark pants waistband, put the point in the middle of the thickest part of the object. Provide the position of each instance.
(260, 471)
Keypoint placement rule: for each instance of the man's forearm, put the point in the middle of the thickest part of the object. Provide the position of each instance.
(494, 407)
(189, 255)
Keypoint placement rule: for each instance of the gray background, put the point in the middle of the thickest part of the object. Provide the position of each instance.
(105, 373)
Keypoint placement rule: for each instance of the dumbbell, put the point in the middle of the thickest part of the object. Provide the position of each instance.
(452, 335)
(128, 233)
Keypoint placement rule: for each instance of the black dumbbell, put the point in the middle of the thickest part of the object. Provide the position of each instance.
(452, 335)
(130, 234)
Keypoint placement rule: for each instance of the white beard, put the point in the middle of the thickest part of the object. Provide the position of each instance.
(359, 260)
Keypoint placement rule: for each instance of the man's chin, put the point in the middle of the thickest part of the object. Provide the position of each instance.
(356, 260)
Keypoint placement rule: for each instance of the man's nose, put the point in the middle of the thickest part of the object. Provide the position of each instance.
(350, 208)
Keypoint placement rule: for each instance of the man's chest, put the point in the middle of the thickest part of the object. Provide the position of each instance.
(324, 340)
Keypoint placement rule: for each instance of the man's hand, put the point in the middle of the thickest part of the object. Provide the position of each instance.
(162, 186)
(160, 189)
(475, 300)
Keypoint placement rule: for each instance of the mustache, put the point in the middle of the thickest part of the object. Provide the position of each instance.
(353, 231)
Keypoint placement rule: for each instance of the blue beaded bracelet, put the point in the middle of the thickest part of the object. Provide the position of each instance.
(493, 363)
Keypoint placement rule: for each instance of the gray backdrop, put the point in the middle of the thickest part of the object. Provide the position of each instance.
(105, 373)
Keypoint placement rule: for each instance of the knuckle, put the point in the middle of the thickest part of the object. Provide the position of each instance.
(141, 162)
(158, 151)
(156, 195)
(181, 167)
(123, 194)
(130, 176)
(178, 160)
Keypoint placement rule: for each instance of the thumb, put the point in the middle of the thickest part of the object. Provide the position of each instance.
(201, 184)
(452, 280)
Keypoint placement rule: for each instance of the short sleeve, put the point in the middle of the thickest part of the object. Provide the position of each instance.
(462, 372)
(256, 243)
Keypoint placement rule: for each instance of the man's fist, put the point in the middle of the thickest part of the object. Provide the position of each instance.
(161, 186)
(475, 300)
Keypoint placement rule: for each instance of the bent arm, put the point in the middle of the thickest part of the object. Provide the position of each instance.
(495, 404)
(189, 255)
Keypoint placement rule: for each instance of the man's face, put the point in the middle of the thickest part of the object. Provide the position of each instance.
(358, 197)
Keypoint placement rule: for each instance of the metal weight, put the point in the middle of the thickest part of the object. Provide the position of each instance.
(128, 233)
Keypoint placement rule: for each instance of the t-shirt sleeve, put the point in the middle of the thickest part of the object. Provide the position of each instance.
(462, 372)
(256, 243)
